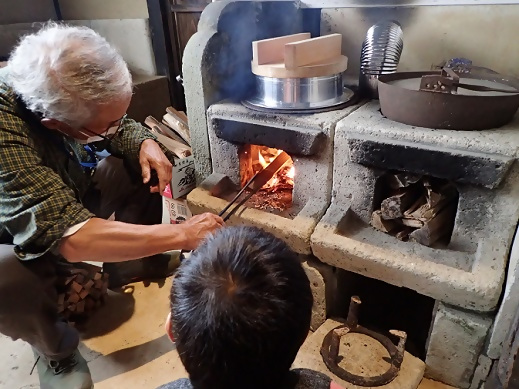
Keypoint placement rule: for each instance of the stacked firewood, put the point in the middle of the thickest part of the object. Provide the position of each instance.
(172, 132)
(420, 209)
(81, 290)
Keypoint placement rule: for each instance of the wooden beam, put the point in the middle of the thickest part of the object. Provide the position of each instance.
(272, 50)
(310, 51)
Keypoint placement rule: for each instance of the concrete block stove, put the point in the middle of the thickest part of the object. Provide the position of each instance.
(308, 139)
(465, 275)
(451, 292)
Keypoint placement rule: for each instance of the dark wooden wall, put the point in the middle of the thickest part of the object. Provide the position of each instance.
(185, 15)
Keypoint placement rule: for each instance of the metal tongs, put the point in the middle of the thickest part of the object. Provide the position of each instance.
(253, 185)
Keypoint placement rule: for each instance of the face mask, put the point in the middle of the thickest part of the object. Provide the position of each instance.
(97, 138)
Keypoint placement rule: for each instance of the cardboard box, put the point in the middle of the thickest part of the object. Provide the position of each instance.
(184, 179)
(174, 211)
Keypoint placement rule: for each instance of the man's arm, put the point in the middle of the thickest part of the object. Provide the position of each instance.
(112, 241)
(36, 206)
(127, 143)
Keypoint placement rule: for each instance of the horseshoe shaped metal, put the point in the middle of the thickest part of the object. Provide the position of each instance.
(331, 343)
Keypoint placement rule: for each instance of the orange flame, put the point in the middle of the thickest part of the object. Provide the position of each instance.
(266, 159)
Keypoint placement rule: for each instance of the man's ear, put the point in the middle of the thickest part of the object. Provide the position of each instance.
(53, 124)
(169, 328)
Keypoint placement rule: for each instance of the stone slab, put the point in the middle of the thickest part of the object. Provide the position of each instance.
(509, 305)
(455, 344)
(482, 371)
(478, 289)
(362, 355)
(295, 232)
(463, 166)
(368, 121)
(323, 283)
(431, 384)
(296, 141)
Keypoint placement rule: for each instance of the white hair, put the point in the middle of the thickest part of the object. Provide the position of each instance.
(65, 72)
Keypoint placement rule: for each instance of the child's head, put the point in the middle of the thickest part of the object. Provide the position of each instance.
(240, 310)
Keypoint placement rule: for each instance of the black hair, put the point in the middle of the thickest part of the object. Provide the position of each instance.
(241, 308)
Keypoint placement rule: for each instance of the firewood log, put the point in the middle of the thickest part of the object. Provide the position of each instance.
(394, 207)
(76, 287)
(435, 228)
(73, 299)
(175, 124)
(414, 223)
(404, 233)
(179, 114)
(379, 223)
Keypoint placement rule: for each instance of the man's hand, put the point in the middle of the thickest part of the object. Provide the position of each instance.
(152, 157)
(199, 226)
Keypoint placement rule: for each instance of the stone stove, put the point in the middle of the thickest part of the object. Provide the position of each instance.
(308, 139)
(465, 277)
(468, 285)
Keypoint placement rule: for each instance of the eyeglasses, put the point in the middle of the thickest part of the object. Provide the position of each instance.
(109, 133)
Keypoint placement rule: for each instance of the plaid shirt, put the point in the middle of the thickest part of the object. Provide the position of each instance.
(41, 179)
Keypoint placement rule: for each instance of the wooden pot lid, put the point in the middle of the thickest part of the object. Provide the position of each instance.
(298, 56)
(278, 70)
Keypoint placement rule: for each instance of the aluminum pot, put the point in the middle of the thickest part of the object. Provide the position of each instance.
(299, 93)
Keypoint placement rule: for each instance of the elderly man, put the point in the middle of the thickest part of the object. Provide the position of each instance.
(65, 88)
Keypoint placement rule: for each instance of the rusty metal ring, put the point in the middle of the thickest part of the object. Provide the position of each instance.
(331, 344)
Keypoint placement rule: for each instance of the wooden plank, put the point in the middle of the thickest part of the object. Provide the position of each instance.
(187, 25)
(309, 51)
(278, 70)
(187, 9)
(273, 50)
(190, 3)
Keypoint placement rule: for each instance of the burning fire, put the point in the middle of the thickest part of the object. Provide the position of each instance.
(284, 177)
(277, 192)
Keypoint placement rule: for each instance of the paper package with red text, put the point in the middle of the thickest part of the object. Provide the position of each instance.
(174, 211)
(183, 180)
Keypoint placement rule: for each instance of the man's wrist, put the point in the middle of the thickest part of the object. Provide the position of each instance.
(179, 236)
